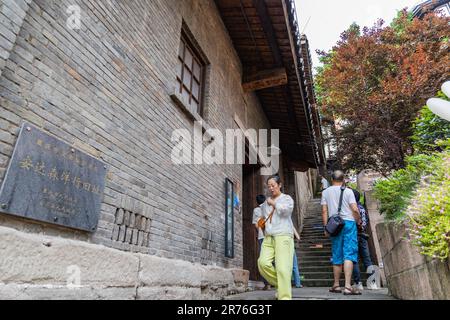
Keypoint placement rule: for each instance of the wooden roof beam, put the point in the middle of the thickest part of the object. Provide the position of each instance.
(265, 79)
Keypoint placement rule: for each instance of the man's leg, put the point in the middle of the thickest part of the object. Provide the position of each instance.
(350, 235)
(348, 270)
(338, 258)
(337, 270)
(284, 256)
(265, 261)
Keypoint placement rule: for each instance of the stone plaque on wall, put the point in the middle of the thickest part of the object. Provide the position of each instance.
(50, 181)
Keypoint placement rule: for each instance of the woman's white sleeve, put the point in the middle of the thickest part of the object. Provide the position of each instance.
(285, 206)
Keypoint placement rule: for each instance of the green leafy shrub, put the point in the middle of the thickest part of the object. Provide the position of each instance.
(428, 213)
(396, 191)
(419, 194)
(429, 129)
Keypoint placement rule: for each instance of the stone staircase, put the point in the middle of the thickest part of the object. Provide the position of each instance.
(314, 250)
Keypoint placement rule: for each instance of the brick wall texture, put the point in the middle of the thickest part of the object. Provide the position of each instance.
(105, 88)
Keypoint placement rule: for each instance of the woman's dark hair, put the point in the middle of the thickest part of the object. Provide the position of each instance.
(357, 195)
(260, 198)
(275, 177)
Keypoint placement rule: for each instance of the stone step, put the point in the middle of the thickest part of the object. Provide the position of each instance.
(325, 275)
(313, 234)
(318, 263)
(308, 269)
(312, 224)
(327, 283)
(313, 253)
(311, 263)
(302, 253)
(313, 249)
(314, 237)
(316, 256)
(313, 242)
(308, 249)
(316, 240)
(320, 282)
(309, 231)
(315, 230)
(312, 230)
(312, 258)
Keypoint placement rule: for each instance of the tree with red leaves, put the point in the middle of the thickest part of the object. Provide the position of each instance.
(374, 82)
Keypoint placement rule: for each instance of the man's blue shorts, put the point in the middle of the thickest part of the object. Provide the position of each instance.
(345, 245)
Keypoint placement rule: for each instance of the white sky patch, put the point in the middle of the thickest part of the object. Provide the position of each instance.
(329, 18)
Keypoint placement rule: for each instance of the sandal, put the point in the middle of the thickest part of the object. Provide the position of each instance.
(351, 292)
(336, 289)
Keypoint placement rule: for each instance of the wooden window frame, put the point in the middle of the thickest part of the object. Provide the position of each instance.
(187, 44)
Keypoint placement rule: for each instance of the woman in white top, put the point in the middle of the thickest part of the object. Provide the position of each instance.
(278, 244)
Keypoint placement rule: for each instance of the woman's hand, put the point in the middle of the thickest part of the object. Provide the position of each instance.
(271, 202)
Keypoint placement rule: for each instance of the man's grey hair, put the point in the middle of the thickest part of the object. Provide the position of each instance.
(338, 176)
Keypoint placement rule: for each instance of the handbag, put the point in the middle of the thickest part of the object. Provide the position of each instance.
(262, 221)
(336, 223)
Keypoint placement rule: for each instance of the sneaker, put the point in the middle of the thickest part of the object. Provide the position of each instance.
(358, 286)
(372, 286)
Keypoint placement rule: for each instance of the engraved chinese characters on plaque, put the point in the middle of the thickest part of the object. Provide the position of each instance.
(48, 180)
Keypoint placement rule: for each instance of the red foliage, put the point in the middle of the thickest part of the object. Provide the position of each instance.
(376, 81)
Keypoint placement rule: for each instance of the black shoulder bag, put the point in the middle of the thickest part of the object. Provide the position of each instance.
(336, 223)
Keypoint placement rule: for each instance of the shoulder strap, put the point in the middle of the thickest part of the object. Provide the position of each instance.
(340, 200)
(270, 215)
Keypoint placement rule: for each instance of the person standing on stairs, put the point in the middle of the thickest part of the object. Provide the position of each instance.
(278, 244)
(344, 246)
(256, 215)
(324, 183)
(363, 245)
(295, 271)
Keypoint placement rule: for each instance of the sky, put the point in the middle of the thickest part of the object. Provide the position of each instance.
(329, 18)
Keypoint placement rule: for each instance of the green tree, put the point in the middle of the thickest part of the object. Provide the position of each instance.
(374, 82)
(429, 129)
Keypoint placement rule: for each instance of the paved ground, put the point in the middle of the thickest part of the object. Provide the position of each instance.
(313, 294)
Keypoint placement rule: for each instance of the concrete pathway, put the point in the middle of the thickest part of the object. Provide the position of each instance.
(313, 293)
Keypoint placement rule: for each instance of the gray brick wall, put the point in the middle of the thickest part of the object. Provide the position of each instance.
(106, 88)
(12, 13)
